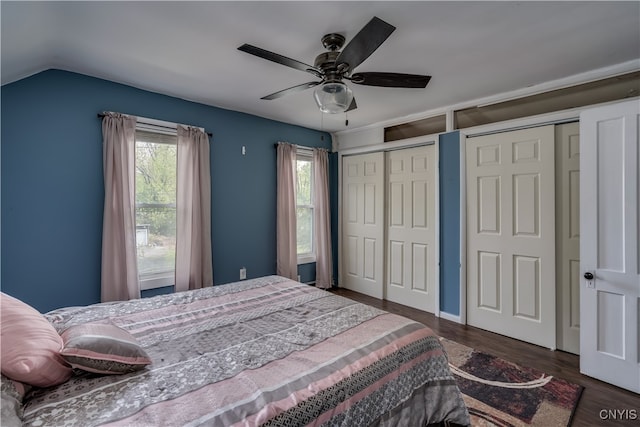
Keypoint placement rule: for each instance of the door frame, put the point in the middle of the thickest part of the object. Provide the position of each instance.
(384, 147)
(555, 118)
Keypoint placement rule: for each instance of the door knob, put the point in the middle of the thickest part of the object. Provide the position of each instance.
(588, 275)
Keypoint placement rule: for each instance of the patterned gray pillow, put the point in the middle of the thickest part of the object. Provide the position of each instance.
(102, 349)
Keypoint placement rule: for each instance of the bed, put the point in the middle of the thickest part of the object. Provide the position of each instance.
(266, 351)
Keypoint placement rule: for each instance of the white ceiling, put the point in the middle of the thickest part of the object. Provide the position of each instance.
(189, 49)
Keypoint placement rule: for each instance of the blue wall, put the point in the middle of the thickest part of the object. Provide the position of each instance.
(450, 223)
(52, 186)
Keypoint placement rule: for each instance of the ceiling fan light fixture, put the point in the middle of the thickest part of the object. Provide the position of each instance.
(333, 97)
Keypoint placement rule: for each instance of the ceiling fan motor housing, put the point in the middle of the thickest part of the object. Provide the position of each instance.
(326, 61)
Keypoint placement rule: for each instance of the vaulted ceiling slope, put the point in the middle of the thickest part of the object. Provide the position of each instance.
(189, 49)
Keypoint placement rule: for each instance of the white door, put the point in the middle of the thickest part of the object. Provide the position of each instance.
(511, 234)
(363, 223)
(609, 227)
(568, 236)
(411, 237)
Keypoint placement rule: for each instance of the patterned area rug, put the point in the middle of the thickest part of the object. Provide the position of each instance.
(501, 393)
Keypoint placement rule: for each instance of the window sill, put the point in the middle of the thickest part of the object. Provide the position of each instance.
(306, 259)
(154, 281)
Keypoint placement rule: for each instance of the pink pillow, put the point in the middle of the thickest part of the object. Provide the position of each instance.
(31, 347)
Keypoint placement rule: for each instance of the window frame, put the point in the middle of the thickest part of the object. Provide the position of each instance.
(307, 155)
(166, 278)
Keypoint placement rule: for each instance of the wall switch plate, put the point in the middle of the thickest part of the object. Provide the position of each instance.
(243, 273)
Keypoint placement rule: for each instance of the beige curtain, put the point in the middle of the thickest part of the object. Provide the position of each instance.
(286, 249)
(194, 267)
(322, 218)
(119, 260)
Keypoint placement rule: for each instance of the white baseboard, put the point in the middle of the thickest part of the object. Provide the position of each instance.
(452, 317)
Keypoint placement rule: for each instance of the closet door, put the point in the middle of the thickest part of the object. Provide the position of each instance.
(568, 236)
(411, 246)
(511, 234)
(610, 244)
(363, 223)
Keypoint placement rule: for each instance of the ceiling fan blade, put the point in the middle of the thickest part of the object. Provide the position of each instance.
(352, 106)
(283, 60)
(370, 37)
(391, 80)
(293, 89)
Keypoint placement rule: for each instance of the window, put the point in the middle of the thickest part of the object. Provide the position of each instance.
(304, 207)
(156, 164)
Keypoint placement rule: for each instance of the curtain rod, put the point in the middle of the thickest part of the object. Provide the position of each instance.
(101, 115)
(299, 146)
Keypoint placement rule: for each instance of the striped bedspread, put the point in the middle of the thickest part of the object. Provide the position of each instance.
(267, 351)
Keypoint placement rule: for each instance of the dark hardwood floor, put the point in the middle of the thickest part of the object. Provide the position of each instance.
(598, 398)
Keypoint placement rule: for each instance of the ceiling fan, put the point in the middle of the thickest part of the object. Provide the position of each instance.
(332, 95)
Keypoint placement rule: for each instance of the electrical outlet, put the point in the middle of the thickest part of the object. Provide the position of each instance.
(243, 273)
